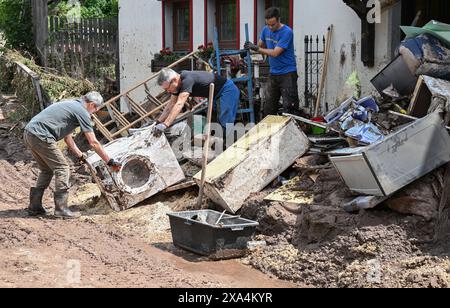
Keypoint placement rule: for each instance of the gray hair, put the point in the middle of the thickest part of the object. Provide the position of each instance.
(94, 97)
(166, 75)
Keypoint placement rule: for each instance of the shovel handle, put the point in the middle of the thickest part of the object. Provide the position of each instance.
(206, 146)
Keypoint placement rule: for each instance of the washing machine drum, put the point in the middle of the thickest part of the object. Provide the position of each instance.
(137, 174)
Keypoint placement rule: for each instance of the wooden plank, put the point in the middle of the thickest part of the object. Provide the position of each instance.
(63, 45)
(180, 186)
(84, 46)
(93, 38)
(109, 36)
(106, 35)
(415, 94)
(52, 45)
(91, 44)
(101, 35)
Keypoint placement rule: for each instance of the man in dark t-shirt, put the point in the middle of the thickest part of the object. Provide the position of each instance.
(196, 84)
(53, 124)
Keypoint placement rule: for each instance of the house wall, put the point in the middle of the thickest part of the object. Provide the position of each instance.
(311, 18)
(140, 38)
(168, 10)
(246, 17)
(198, 23)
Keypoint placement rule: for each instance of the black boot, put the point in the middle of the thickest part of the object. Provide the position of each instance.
(35, 208)
(61, 207)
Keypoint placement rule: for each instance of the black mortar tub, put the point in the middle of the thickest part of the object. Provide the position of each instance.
(199, 232)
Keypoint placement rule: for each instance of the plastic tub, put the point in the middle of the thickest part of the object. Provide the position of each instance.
(198, 232)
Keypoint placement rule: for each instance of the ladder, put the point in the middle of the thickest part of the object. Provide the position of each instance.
(246, 79)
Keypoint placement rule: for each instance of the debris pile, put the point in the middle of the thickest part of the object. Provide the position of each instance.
(381, 256)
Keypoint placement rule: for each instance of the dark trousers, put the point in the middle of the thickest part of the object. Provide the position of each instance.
(282, 86)
(51, 161)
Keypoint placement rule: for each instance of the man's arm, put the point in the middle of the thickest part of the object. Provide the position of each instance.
(271, 52)
(176, 110)
(168, 109)
(72, 146)
(96, 146)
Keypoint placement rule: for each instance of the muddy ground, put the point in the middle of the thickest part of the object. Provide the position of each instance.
(101, 249)
(317, 245)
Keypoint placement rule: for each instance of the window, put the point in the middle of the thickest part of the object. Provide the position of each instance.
(285, 9)
(226, 20)
(181, 26)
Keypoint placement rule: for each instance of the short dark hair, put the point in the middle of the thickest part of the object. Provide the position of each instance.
(273, 12)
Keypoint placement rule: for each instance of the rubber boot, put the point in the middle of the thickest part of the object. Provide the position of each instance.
(35, 208)
(61, 208)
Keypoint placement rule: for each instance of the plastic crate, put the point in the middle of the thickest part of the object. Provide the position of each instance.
(198, 232)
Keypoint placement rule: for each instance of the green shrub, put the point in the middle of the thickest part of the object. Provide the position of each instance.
(16, 23)
(89, 8)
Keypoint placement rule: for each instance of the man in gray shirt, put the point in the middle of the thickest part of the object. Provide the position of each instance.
(53, 124)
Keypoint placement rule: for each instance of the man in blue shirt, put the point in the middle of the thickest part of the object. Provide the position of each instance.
(277, 42)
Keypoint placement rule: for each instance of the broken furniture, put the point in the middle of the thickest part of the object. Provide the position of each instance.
(254, 161)
(430, 95)
(211, 233)
(385, 167)
(149, 166)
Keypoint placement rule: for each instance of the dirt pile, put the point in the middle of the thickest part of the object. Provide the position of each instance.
(380, 256)
(321, 245)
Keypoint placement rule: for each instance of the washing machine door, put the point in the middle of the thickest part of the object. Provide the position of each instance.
(137, 175)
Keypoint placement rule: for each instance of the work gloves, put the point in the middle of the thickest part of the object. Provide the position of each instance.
(159, 129)
(82, 158)
(115, 165)
(250, 46)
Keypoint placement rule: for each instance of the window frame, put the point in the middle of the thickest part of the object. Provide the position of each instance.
(228, 44)
(168, 21)
(177, 45)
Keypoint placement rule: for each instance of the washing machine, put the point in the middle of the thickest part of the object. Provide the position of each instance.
(149, 166)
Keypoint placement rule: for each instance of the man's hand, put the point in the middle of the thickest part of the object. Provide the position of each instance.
(159, 129)
(250, 46)
(115, 165)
